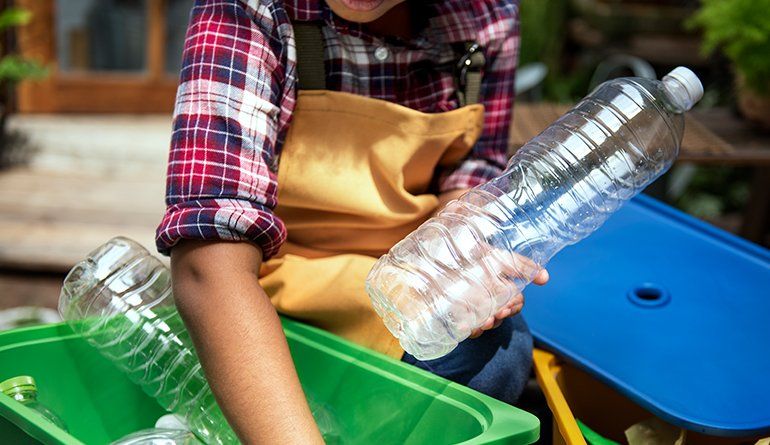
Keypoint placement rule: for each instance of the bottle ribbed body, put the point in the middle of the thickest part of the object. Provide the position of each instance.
(458, 268)
(120, 300)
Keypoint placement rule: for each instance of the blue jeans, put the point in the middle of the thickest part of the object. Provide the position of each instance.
(496, 364)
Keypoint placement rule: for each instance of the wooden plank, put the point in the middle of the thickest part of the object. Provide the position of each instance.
(56, 245)
(26, 289)
(51, 220)
(142, 194)
(101, 94)
(531, 118)
(739, 158)
(751, 146)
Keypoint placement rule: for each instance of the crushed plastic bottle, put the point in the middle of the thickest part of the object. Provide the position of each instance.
(457, 269)
(119, 298)
(326, 420)
(159, 436)
(23, 389)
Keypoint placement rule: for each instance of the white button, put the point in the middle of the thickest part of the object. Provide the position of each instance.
(381, 53)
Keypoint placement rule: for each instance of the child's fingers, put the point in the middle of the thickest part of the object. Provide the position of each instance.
(507, 310)
(542, 277)
(517, 299)
(510, 310)
(502, 313)
(513, 307)
(488, 324)
(491, 323)
(520, 267)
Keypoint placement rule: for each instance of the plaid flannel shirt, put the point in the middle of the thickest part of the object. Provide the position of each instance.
(238, 89)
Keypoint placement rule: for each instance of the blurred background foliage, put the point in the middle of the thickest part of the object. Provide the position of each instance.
(741, 28)
(544, 40)
(714, 37)
(13, 69)
(714, 192)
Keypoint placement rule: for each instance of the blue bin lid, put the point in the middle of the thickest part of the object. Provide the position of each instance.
(669, 311)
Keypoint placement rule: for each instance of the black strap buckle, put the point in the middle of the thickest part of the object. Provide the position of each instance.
(471, 61)
(468, 72)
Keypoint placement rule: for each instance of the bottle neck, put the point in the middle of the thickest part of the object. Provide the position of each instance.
(22, 395)
(678, 95)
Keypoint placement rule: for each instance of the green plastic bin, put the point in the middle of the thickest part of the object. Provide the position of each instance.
(374, 398)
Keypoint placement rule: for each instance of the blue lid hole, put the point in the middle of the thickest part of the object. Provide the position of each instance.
(649, 295)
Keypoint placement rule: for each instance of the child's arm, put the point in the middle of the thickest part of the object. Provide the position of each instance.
(239, 340)
(233, 104)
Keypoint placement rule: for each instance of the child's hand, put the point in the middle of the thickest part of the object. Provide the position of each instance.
(520, 267)
(512, 308)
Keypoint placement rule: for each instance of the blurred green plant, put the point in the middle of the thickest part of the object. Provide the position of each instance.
(741, 29)
(13, 69)
(543, 39)
(542, 31)
(715, 191)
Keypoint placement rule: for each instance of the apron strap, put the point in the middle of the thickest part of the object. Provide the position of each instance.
(470, 62)
(309, 39)
(311, 71)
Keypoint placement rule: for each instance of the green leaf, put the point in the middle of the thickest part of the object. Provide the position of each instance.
(14, 69)
(740, 29)
(14, 17)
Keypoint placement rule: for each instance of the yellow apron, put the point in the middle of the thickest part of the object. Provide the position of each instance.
(352, 182)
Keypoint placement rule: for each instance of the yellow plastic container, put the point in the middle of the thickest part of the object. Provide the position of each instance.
(571, 394)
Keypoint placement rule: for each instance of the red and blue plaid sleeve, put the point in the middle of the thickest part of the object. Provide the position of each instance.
(499, 36)
(231, 113)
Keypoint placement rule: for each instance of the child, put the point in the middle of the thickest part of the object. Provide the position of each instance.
(371, 108)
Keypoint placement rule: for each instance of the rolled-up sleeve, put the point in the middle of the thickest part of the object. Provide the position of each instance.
(500, 40)
(229, 117)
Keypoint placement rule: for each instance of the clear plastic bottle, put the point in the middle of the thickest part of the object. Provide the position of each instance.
(119, 298)
(458, 268)
(159, 436)
(23, 389)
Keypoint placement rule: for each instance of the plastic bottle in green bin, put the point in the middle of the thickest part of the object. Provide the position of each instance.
(23, 389)
(119, 299)
(158, 436)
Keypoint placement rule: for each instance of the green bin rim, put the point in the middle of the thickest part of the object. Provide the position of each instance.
(501, 423)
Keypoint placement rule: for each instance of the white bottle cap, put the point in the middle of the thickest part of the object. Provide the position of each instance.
(172, 422)
(690, 82)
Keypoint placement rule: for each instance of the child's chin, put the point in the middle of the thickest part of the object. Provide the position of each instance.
(362, 5)
(357, 10)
